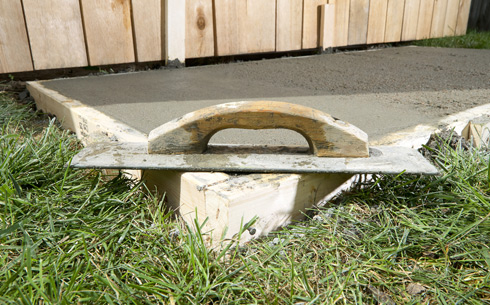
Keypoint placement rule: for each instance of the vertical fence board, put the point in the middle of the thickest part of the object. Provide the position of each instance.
(377, 21)
(394, 20)
(227, 30)
(199, 38)
(410, 20)
(289, 25)
(147, 24)
(438, 18)
(56, 33)
(463, 15)
(108, 31)
(342, 8)
(358, 21)
(311, 23)
(327, 26)
(451, 18)
(15, 55)
(425, 19)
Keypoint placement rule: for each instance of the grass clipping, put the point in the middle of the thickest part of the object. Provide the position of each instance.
(71, 236)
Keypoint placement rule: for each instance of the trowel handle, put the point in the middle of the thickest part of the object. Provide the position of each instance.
(327, 136)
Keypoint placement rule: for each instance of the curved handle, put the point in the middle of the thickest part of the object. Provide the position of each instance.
(326, 136)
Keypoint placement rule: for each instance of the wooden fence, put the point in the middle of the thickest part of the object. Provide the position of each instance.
(50, 34)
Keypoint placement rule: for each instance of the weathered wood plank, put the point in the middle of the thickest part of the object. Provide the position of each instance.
(451, 18)
(327, 33)
(358, 21)
(410, 20)
(342, 9)
(377, 21)
(147, 24)
(438, 18)
(108, 31)
(463, 16)
(394, 20)
(15, 55)
(56, 33)
(311, 23)
(289, 25)
(425, 19)
(227, 27)
(175, 24)
(199, 28)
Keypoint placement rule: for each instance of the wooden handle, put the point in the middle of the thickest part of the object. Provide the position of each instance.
(327, 137)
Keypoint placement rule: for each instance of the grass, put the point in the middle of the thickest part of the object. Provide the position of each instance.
(472, 40)
(71, 236)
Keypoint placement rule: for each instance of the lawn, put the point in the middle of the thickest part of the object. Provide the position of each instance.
(472, 40)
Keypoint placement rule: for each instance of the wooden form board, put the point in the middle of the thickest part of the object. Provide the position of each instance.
(245, 26)
(311, 23)
(377, 21)
(108, 31)
(289, 25)
(358, 21)
(342, 8)
(56, 33)
(147, 27)
(327, 32)
(15, 55)
(463, 16)
(394, 20)
(199, 38)
(410, 20)
(425, 19)
(438, 18)
(451, 18)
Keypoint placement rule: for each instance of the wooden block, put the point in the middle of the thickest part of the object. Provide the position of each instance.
(245, 26)
(56, 33)
(227, 201)
(108, 31)
(394, 20)
(463, 15)
(328, 26)
(15, 55)
(377, 21)
(311, 23)
(438, 18)
(147, 24)
(358, 21)
(289, 25)
(451, 18)
(342, 9)
(477, 133)
(199, 29)
(425, 19)
(410, 20)
(175, 31)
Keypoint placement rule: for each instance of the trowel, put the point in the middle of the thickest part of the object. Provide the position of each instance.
(182, 145)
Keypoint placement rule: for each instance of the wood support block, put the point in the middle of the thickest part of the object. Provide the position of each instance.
(477, 132)
(226, 201)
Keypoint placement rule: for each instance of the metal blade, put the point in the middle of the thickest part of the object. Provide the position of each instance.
(382, 160)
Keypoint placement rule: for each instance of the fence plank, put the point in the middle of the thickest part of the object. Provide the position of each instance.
(15, 55)
(463, 16)
(377, 21)
(147, 23)
(451, 18)
(327, 26)
(311, 23)
(56, 33)
(425, 19)
(342, 9)
(108, 31)
(438, 18)
(289, 25)
(410, 20)
(199, 29)
(358, 21)
(394, 20)
(245, 26)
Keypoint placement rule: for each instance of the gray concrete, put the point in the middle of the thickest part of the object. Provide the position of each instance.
(380, 91)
